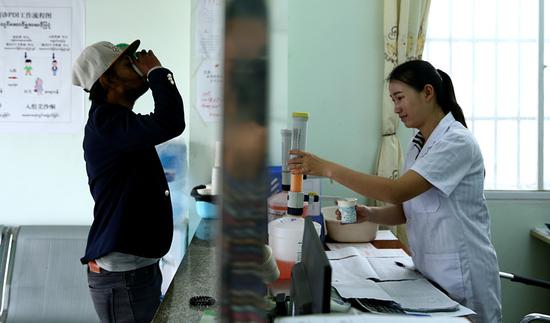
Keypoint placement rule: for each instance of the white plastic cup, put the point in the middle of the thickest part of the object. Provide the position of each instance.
(347, 210)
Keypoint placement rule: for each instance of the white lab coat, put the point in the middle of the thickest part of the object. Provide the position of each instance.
(448, 226)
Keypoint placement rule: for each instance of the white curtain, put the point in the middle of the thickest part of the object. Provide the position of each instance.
(405, 23)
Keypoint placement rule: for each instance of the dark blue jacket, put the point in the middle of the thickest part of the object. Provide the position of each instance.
(132, 212)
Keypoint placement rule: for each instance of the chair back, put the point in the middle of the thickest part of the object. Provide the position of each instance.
(46, 282)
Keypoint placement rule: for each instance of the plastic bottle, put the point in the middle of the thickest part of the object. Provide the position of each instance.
(216, 170)
(277, 205)
(286, 139)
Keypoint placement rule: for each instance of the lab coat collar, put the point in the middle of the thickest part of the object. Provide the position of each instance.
(440, 129)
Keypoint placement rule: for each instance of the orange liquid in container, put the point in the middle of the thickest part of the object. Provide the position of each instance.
(296, 182)
(285, 267)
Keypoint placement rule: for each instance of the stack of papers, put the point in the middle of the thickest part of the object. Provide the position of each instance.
(412, 295)
(372, 318)
(392, 279)
(418, 295)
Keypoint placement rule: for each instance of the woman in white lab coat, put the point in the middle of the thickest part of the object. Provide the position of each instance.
(440, 194)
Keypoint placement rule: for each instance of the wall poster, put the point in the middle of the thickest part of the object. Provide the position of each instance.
(209, 55)
(39, 41)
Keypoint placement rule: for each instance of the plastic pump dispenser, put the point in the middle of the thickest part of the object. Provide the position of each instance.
(299, 135)
(277, 204)
(286, 139)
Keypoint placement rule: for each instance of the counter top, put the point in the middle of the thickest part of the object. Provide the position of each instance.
(196, 275)
(193, 277)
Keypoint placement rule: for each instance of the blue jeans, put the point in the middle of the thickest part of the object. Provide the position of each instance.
(130, 296)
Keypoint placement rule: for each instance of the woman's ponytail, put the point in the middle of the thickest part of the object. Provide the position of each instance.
(448, 99)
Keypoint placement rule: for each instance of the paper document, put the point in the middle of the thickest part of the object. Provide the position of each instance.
(419, 295)
(389, 268)
(383, 278)
(340, 252)
(349, 264)
(368, 250)
(386, 253)
(362, 318)
(385, 235)
(413, 295)
(361, 289)
(461, 311)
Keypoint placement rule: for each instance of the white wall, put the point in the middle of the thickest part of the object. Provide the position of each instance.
(203, 134)
(278, 77)
(335, 72)
(42, 176)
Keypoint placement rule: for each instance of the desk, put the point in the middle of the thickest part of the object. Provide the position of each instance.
(197, 275)
(198, 272)
(284, 285)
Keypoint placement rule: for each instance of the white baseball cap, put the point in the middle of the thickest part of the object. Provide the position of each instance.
(96, 59)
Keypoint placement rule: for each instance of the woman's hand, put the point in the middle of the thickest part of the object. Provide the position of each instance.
(308, 164)
(362, 212)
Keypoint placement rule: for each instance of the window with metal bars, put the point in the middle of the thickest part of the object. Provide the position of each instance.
(494, 53)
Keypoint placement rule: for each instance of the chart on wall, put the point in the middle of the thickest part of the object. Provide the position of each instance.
(209, 55)
(39, 41)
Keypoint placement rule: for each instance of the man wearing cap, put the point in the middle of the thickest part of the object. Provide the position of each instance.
(132, 227)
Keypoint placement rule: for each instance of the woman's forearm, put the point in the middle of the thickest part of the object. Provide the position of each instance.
(375, 187)
(387, 215)
(394, 191)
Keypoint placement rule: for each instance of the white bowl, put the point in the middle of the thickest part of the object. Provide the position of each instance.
(353, 232)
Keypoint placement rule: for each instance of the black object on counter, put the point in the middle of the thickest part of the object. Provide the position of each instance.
(281, 305)
(202, 301)
(203, 198)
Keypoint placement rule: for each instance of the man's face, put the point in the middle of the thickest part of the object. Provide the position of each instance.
(127, 80)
